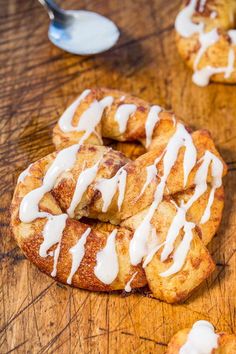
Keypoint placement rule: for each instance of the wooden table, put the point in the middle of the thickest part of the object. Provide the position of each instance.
(37, 315)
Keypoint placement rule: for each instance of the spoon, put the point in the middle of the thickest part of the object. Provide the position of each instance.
(80, 32)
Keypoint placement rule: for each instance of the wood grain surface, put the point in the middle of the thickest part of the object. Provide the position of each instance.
(37, 81)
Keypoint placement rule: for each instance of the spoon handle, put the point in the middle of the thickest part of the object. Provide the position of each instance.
(55, 13)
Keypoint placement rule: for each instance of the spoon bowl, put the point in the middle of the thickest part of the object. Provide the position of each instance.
(80, 32)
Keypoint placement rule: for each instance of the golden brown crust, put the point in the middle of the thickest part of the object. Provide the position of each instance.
(217, 54)
(198, 264)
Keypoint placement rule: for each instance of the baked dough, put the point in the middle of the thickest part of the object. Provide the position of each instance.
(206, 39)
(226, 343)
(90, 216)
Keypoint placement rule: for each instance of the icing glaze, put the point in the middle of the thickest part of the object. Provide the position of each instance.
(108, 188)
(52, 232)
(77, 252)
(151, 174)
(153, 248)
(152, 119)
(181, 251)
(201, 339)
(123, 114)
(177, 223)
(23, 174)
(89, 119)
(128, 284)
(206, 40)
(107, 266)
(121, 188)
(65, 122)
(202, 5)
(55, 256)
(85, 179)
(29, 207)
(232, 35)
(213, 14)
(216, 173)
(202, 77)
(184, 24)
(180, 221)
(138, 244)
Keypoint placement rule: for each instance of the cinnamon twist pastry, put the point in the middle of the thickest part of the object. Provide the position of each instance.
(92, 217)
(202, 339)
(206, 39)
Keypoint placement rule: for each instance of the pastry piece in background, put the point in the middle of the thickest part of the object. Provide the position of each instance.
(101, 219)
(202, 339)
(206, 39)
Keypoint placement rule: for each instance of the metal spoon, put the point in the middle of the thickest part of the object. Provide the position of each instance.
(80, 32)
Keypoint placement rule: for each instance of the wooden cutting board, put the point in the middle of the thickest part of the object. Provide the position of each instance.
(38, 315)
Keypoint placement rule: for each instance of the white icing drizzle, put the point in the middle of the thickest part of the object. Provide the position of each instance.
(200, 182)
(107, 266)
(206, 40)
(186, 28)
(202, 77)
(153, 246)
(152, 119)
(121, 188)
(65, 122)
(77, 252)
(207, 213)
(177, 223)
(216, 173)
(123, 114)
(151, 174)
(202, 5)
(106, 102)
(92, 117)
(181, 251)
(52, 233)
(108, 188)
(201, 339)
(29, 207)
(128, 284)
(232, 35)
(230, 68)
(180, 221)
(184, 24)
(89, 119)
(213, 14)
(85, 179)
(23, 174)
(29, 210)
(138, 245)
(55, 255)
